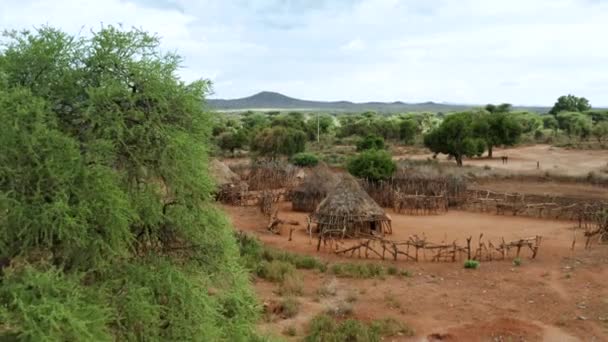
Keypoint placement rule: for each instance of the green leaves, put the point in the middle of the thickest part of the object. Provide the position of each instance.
(374, 165)
(458, 136)
(103, 170)
(570, 103)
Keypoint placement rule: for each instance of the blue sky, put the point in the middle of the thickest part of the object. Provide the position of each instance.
(463, 51)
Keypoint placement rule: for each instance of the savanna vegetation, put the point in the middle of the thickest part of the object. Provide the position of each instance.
(107, 228)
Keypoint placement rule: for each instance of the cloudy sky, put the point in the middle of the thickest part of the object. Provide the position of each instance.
(464, 51)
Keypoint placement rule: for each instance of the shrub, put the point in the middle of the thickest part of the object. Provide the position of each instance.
(370, 142)
(388, 327)
(305, 159)
(349, 270)
(392, 270)
(374, 165)
(517, 261)
(289, 307)
(279, 140)
(471, 264)
(291, 285)
(275, 271)
(97, 134)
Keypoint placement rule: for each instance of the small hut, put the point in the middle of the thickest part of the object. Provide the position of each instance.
(230, 186)
(313, 189)
(349, 211)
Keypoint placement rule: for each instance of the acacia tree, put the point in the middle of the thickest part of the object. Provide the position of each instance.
(457, 137)
(570, 103)
(279, 140)
(104, 196)
(497, 128)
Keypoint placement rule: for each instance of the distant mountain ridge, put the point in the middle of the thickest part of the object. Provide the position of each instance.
(272, 100)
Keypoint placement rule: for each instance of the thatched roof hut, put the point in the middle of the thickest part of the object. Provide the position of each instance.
(350, 211)
(222, 174)
(230, 186)
(313, 189)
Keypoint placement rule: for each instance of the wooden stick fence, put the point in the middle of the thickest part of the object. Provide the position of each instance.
(419, 249)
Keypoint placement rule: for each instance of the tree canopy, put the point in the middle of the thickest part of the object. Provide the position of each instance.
(374, 165)
(104, 195)
(570, 103)
(457, 136)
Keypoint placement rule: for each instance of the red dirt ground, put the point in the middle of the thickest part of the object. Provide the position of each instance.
(560, 296)
(524, 158)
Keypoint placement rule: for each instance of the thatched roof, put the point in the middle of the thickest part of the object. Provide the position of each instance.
(222, 173)
(319, 182)
(348, 200)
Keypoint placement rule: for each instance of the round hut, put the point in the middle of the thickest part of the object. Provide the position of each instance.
(313, 189)
(350, 212)
(229, 184)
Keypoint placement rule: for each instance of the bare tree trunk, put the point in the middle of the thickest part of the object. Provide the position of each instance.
(459, 160)
(490, 151)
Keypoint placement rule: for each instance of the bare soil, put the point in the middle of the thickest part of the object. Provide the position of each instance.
(525, 158)
(559, 296)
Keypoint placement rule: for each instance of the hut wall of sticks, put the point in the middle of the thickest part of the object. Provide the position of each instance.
(348, 212)
(319, 182)
(416, 193)
(268, 174)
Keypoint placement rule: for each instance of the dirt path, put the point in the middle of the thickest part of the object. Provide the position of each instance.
(559, 296)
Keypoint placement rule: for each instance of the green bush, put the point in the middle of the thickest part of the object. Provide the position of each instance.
(388, 327)
(275, 270)
(350, 270)
(471, 264)
(517, 261)
(325, 328)
(370, 142)
(104, 175)
(304, 159)
(289, 307)
(374, 165)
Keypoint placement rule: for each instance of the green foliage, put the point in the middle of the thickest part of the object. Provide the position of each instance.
(575, 124)
(47, 305)
(570, 103)
(253, 253)
(517, 261)
(324, 328)
(323, 123)
(550, 122)
(304, 159)
(104, 171)
(232, 140)
(289, 307)
(388, 327)
(350, 270)
(370, 142)
(275, 270)
(600, 131)
(279, 140)
(471, 264)
(498, 128)
(408, 130)
(374, 165)
(457, 136)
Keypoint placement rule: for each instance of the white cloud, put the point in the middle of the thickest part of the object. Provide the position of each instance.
(518, 51)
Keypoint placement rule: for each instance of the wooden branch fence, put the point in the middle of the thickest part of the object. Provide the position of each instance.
(554, 207)
(419, 249)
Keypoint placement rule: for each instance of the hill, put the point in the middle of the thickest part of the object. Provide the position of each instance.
(271, 100)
